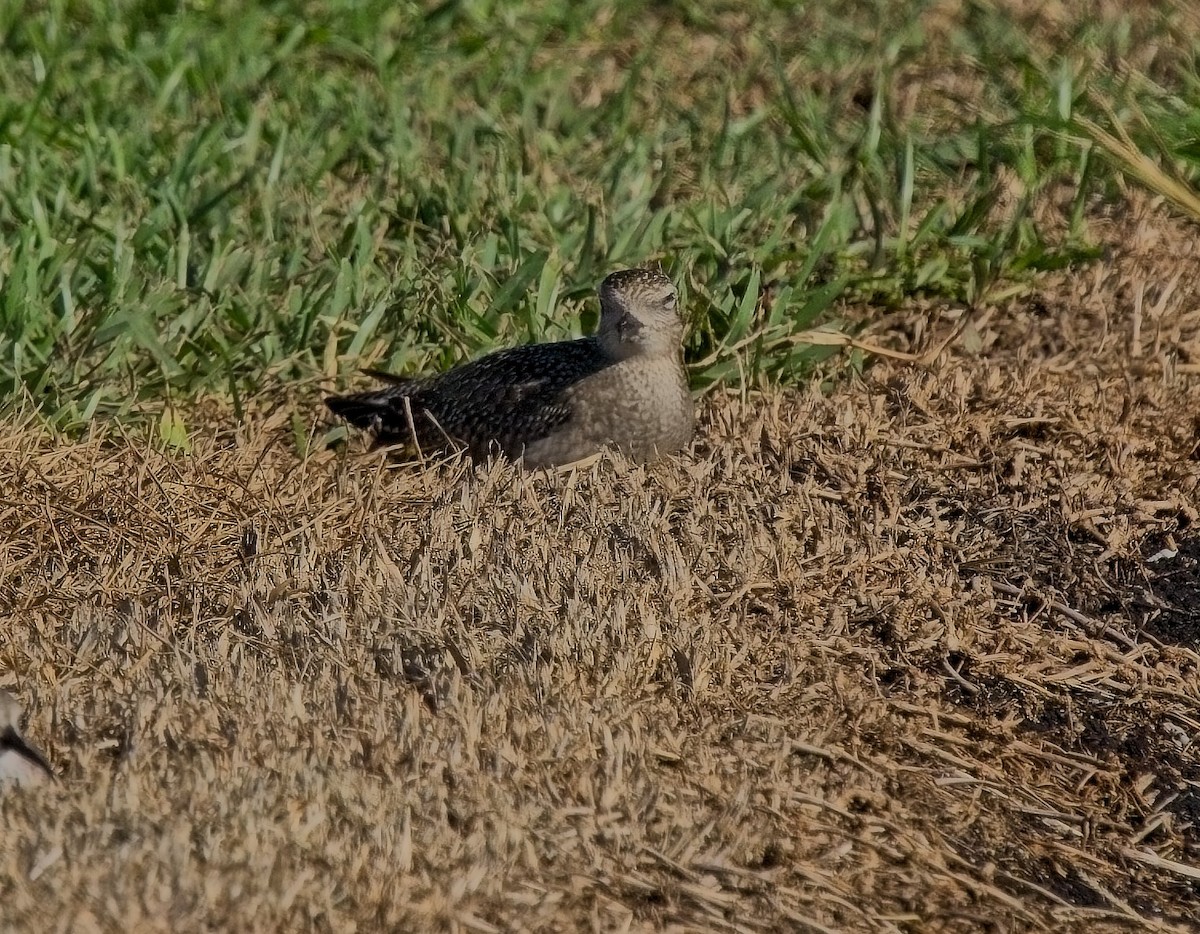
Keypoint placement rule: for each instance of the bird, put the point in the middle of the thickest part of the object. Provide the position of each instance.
(20, 762)
(623, 387)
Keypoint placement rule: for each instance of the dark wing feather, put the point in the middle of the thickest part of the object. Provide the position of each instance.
(510, 398)
(10, 739)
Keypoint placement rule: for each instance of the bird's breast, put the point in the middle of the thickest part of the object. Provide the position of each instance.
(642, 407)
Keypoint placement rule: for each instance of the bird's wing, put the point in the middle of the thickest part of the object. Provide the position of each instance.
(20, 762)
(519, 394)
(516, 393)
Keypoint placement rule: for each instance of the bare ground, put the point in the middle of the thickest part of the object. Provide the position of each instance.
(919, 654)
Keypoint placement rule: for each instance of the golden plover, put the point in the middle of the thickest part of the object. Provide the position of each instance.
(622, 387)
(20, 763)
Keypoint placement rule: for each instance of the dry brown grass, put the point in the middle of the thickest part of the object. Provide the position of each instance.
(885, 659)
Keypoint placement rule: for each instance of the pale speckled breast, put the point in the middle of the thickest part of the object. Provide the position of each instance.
(642, 407)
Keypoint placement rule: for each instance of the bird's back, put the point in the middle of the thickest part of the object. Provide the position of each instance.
(511, 398)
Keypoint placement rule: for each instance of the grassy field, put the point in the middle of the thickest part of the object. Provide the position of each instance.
(237, 196)
(885, 651)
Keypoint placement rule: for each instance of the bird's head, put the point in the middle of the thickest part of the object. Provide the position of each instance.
(638, 313)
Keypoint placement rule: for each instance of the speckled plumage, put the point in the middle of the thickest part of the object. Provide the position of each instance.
(623, 387)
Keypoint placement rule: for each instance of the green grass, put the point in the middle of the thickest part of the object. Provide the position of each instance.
(212, 197)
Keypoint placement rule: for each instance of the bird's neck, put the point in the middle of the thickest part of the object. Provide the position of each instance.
(625, 336)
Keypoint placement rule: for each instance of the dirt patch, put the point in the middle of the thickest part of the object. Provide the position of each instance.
(1163, 588)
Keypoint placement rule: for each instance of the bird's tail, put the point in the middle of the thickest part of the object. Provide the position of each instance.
(367, 410)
